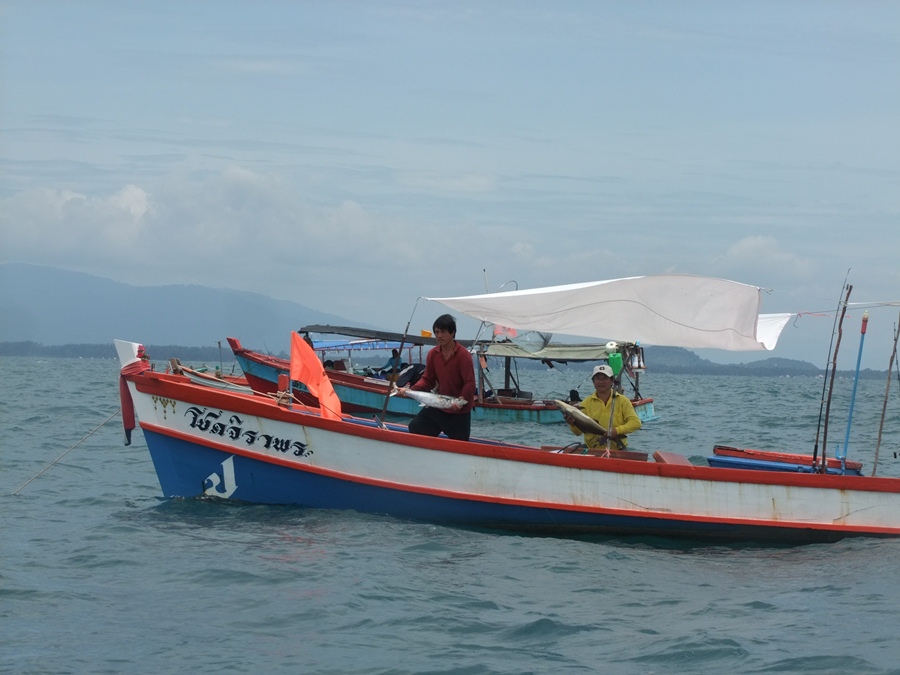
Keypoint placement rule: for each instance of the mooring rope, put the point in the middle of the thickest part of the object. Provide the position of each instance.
(70, 449)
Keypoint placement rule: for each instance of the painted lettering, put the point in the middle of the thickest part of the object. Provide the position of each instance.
(210, 422)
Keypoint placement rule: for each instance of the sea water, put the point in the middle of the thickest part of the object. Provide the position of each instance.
(102, 575)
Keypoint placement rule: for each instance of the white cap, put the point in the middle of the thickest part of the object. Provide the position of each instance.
(604, 369)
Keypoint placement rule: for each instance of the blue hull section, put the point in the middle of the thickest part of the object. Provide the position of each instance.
(373, 402)
(511, 414)
(190, 470)
(546, 415)
(261, 371)
(645, 412)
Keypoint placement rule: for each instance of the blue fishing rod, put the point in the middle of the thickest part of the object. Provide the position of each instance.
(842, 453)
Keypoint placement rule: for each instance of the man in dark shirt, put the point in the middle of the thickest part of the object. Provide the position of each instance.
(448, 367)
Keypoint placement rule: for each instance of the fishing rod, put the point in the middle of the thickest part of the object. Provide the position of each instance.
(612, 409)
(862, 339)
(837, 346)
(396, 365)
(886, 391)
(827, 365)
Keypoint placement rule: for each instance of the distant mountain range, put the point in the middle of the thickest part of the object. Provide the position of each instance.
(45, 311)
(54, 307)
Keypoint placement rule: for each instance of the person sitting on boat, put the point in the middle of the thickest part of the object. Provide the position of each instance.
(448, 366)
(392, 364)
(612, 410)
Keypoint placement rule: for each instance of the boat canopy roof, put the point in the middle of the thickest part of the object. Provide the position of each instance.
(676, 310)
(366, 336)
(367, 339)
(355, 345)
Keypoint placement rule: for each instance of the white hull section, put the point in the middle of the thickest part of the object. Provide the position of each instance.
(359, 453)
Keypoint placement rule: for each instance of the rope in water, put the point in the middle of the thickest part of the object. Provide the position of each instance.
(70, 449)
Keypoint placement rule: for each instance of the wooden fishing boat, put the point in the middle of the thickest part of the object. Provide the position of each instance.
(217, 380)
(211, 442)
(360, 394)
(363, 393)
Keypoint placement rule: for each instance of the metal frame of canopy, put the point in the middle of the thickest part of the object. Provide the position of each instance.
(368, 340)
(562, 353)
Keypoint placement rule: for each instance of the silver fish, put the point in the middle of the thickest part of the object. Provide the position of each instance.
(582, 421)
(429, 400)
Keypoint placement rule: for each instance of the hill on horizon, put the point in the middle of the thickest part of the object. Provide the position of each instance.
(51, 306)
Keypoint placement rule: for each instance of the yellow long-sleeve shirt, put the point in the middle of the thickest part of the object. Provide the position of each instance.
(625, 420)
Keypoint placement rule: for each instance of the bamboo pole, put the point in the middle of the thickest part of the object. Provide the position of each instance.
(837, 346)
(887, 390)
(815, 454)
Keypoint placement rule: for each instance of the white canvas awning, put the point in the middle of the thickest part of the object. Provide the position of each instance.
(668, 310)
(552, 352)
(769, 327)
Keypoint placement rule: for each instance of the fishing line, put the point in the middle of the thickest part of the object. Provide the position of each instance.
(70, 449)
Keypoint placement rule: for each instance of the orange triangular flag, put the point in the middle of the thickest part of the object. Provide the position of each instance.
(306, 368)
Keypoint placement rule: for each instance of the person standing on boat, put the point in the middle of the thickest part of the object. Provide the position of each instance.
(448, 366)
(612, 410)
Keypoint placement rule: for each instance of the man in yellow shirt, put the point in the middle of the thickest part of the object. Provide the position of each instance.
(612, 410)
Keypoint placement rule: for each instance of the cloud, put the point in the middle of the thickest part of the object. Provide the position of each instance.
(762, 256)
(235, 228)
(57, 226)
(132, 199)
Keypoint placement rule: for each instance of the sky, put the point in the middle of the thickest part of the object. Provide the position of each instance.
(357, 156)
